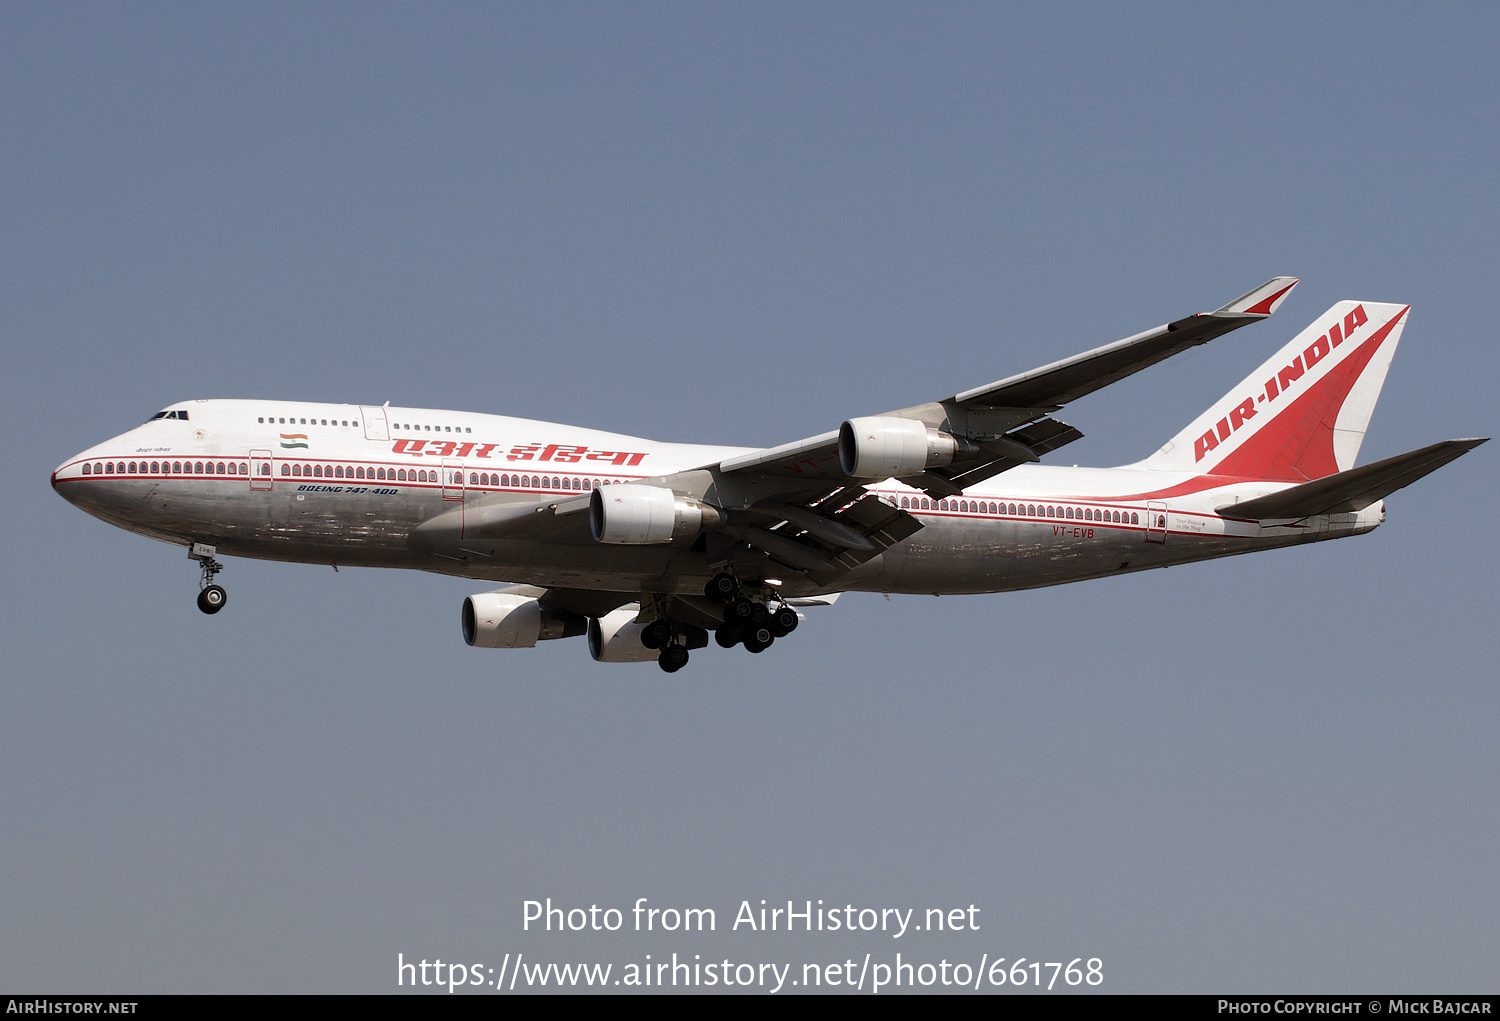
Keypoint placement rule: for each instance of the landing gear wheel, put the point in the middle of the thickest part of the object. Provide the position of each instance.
(722, 588)
(758, 639)
(783, 622)
(728, 636)
(656, 634)
(673, 658)
(739, 612)
(212, 599)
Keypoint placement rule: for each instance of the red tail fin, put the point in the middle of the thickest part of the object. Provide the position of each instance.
(1302, 415)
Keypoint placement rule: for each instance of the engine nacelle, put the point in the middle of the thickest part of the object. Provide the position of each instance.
(616, 638)
(634, 514)
(892, 448)
(505, 620)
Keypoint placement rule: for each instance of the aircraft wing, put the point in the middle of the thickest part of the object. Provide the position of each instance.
(804, 503)
(1006, 423)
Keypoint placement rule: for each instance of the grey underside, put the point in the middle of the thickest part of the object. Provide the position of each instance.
(947, 556)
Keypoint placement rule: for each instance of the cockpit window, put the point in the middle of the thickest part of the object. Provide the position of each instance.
(181, 416)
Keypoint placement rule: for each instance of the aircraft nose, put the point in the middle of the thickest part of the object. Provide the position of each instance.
(68, 478)
(62, 472)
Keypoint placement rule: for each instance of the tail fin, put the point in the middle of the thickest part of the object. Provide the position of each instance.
(1302, 415)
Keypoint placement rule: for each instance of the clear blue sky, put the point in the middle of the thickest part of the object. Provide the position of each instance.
(743, 223)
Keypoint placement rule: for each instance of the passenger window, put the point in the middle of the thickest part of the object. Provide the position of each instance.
(1135, 519)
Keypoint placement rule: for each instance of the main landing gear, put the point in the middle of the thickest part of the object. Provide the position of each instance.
(753, 616)
(211, 597)
(748, 620)
(674, 641)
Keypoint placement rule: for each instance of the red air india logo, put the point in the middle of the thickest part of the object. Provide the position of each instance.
(555, 452)
(1281, 383)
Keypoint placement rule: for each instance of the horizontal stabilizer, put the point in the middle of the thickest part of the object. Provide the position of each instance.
(1355, 489)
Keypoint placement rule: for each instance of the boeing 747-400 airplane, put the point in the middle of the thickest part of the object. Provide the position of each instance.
(647, 547)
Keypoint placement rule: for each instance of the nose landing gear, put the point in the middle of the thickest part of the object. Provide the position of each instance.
(211, 597)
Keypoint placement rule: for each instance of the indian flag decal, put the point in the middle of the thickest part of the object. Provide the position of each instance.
(293, 440)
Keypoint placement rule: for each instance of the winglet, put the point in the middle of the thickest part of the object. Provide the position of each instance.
(1262, 301)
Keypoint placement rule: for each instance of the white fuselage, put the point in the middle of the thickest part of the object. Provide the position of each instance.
(349, 485)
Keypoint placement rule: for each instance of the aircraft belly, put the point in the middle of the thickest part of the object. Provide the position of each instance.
(276, 525)
(316, 524)
(973, 556)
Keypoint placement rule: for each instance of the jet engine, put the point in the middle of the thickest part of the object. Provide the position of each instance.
(616, 637)
(505, 620)
(892, 448)
(636, 515)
